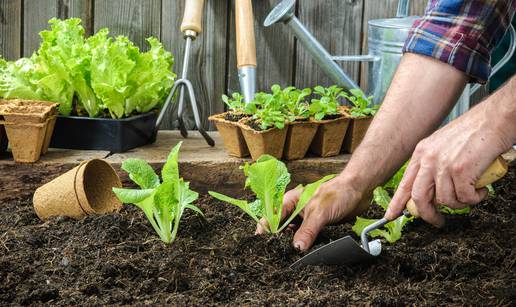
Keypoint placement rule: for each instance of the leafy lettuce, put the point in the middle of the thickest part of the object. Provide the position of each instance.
(163, 203)
(268, 178)
(106, 76)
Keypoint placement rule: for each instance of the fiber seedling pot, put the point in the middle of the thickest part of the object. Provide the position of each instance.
(26, 128)
(231, 135)
(84, 190)
(267, 142)
(300, 135)
(356, 131)
(330, 136)
(46, 109)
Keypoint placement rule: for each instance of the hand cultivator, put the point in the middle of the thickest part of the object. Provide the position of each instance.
(191, 28)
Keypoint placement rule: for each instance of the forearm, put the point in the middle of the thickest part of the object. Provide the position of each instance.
(421, 94)
(499, 113)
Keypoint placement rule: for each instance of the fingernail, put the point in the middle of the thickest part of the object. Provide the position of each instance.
(299, 245)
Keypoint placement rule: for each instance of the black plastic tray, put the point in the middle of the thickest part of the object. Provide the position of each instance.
(114, 135)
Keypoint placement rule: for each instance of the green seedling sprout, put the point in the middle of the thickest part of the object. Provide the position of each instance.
(163, 203)
(268, 179)
(361, 104)
(327, 103)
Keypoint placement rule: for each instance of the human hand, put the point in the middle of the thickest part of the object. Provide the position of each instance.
(446, 166)
(333, 202)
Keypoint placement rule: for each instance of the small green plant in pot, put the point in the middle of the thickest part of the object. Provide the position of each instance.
(301, 128)
(362, 112)
(228, 127)
(162, 202)
(266, 131)
(268, 179)
(332, 118)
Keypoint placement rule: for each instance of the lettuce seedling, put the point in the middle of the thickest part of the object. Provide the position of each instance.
(362, 105)
(236, 103)
(328, 102)
(392, 231)
(268, 179)
(162, 202)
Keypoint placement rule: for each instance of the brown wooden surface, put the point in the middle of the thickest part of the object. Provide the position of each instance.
(337, 25)
(10, 29)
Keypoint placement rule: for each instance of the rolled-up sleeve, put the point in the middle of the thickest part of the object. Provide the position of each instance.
(462, 33)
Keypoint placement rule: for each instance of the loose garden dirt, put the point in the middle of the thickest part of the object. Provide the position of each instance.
(117, 259)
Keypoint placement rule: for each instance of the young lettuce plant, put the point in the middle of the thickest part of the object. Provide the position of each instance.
(163, 203)
(295, 103)
(268, 179)
(328, 102)
(362, 105)
(235, 103)
(270, 109)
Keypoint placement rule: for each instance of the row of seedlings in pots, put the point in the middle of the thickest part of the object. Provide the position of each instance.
(284, 124)
(27, 125)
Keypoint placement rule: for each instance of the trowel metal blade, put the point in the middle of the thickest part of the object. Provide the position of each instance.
(344, 251)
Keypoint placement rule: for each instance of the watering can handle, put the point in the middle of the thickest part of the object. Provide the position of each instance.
(403, 8)
(504, 60)
(493, 173)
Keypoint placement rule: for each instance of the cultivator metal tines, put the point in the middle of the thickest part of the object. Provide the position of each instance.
(191, 27)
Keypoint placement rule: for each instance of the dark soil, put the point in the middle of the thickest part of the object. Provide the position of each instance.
(255, 125)
(234, 117)
(332, 116)
(117, 259)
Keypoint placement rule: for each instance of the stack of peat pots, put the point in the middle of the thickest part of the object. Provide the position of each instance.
(28, 127)
(324, 138)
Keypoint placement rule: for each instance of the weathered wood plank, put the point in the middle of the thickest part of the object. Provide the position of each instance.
(82, 9)
(337, 26)
(35, 19)
(136, 19)
(10, 29)
(207, 66)
(382, 9)
(275, 50)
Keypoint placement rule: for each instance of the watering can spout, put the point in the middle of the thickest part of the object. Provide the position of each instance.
(284, 12)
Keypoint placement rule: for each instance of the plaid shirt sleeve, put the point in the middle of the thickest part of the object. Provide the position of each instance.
(462, 33)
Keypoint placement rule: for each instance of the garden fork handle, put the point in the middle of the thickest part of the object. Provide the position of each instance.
(493, 173)
(192, 18)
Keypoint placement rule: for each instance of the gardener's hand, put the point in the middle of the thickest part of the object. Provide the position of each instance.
(333, 202)
(445, 166)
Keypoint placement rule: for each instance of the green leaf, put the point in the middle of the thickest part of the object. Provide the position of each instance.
(391, 232)
(305, 197)
(381, 197)
(131, 196)
(242, 204)
(170, 171)
(450, 211)
(141, 173)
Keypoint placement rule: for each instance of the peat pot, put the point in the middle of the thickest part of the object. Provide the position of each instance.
(231, 135)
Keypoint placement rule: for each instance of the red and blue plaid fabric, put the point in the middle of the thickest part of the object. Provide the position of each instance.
(462, 33)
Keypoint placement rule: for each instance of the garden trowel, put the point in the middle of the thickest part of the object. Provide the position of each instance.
(346, 251)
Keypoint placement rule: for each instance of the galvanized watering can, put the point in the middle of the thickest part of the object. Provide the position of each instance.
(386, 38)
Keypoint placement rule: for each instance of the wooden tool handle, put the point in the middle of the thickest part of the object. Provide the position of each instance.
(245, 40)
(192, 19)
(494, 172)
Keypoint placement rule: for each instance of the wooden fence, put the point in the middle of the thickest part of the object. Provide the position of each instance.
(340, 25)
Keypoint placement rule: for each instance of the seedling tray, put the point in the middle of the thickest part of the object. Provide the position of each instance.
(114, 135)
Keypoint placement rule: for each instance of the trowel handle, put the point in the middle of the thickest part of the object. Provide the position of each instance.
(493, 173)
(192, 19)
(245, 40)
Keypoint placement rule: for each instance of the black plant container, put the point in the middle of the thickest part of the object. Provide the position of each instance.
(114, 135)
